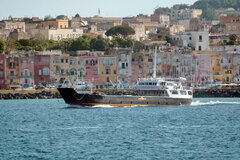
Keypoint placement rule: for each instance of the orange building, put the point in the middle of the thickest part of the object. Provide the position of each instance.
(55, 23)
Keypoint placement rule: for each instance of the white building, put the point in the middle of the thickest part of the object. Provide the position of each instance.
(197, 40)
(58, 34)
(124, 59)
(140, 32)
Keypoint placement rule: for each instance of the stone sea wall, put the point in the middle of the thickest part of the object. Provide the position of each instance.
(49, 94)
(29, 95)
(207, 93)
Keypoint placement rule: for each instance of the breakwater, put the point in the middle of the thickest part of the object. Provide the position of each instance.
(29, 94)
(207, 93)
(49, 94)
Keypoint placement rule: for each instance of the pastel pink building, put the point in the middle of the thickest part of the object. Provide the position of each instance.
(203, 69)
(42, 69)
(2, 72)
(91, 64)
(26, 69)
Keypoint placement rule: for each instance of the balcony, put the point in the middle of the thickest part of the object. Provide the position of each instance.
(26, 76)
(12, 76)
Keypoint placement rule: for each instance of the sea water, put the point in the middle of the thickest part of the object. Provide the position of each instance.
(49, 129)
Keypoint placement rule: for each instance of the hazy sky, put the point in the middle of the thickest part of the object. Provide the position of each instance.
(85, 8)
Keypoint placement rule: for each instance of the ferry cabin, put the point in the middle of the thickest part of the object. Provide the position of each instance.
(163, 88)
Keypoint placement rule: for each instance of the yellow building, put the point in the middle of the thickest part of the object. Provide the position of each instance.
(12, 71)
(55, 23)
(222, 68)
(216, 68)
(107, 70)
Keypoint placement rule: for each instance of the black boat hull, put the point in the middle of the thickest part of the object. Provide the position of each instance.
(71, 97)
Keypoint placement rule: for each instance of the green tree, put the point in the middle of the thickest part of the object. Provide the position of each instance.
(209, 14)
(162, 10)
(181, 6)
(209, 6)
(2, 46)
(81, 43)
(122, 42)
(120, 31)
(99, 44)
(24, 44)
(232, 39)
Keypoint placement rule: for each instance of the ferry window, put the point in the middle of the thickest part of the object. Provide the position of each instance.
(174, 92)
(189, 92)
(183, 92)
(150, 83)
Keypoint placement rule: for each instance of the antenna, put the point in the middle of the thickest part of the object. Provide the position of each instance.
(99, 12)
(155, 62)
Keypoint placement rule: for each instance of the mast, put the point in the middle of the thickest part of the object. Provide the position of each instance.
(155, 62)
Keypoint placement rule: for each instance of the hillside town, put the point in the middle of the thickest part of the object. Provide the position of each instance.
(205, 52)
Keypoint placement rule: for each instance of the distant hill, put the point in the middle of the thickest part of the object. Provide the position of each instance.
(208, 6)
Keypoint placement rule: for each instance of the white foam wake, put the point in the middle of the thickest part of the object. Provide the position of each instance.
(198, 103)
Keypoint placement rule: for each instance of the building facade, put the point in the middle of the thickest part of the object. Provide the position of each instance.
(2, 72)
(42, 70)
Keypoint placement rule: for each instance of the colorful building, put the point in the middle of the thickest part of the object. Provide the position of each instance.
(91, 68)
(12, 71)
(41, 70)
(107, 70)
(26, 70)
(59, 68)
(2, 72)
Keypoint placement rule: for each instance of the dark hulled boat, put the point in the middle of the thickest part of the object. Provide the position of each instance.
(148, 92)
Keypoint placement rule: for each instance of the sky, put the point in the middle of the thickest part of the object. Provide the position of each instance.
(85, 8)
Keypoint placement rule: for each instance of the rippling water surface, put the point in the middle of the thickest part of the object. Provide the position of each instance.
(47, 129)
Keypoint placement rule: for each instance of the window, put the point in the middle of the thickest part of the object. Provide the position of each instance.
(174, 92)
(95, 72)
(92, 63)
(26, 72)
(108, 80)
(107, 62)
(1, 74)
(190, 38)
(200, 38)
(24, 61)
(107, 71)
(73, 71)
(183, 92)
(45, 71)
(189, 92)
(12, 65)
(199, 48)
(123, 65)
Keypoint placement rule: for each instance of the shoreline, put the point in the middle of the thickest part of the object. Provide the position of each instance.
(53, 93)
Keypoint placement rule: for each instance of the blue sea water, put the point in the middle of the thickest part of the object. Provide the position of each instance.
(47, 129)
